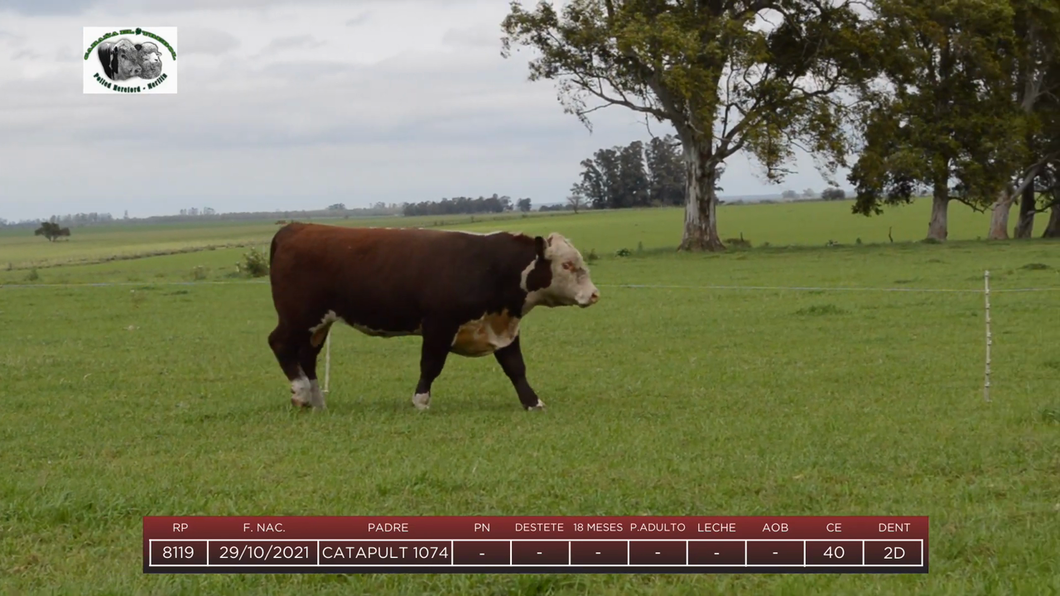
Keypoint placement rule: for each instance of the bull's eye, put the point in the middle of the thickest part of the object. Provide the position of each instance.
(569, 266)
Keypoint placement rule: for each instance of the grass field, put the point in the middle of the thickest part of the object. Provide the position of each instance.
(159, 398)
(809, 224)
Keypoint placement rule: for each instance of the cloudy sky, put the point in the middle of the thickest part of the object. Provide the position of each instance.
(287, 104)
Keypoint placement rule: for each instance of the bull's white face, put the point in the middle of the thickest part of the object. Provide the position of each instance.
(128, 59)
(150, 60)
(571, 284)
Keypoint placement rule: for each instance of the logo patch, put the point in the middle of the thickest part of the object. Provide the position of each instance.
(130, 60)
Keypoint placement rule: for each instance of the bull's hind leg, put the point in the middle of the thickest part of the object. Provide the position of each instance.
(307, 359)
(437, 341)
(287, 345)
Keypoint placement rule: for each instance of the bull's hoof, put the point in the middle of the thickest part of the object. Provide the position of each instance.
(422, 401)
(540, 407)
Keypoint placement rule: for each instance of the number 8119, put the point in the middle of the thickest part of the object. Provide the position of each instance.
(178, 552)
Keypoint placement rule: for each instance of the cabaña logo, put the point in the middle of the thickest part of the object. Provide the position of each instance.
(139, 60)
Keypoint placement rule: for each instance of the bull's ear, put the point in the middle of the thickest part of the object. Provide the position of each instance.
(539, 247)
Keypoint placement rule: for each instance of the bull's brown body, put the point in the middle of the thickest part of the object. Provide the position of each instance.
(462, 293)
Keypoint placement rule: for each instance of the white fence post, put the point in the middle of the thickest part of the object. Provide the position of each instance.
(327, 362)
(986, 294)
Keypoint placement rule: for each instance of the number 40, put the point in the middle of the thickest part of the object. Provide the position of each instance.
(836, 552)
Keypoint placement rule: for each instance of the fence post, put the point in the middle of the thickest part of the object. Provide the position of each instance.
(327, 362)
(986, 295)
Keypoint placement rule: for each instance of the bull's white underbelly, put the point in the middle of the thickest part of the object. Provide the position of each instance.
(480, 337)
(486, 335)
(320, 331)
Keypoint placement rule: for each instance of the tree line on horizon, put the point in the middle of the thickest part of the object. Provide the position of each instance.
(467, 206)
(956, 100)
(196, 214)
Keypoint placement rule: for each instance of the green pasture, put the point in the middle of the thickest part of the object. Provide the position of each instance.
(800, 223)
(684, 395)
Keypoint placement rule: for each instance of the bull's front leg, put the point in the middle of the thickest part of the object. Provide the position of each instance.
(511, 360)
(437, 340)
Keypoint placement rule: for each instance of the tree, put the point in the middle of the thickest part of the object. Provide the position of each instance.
(666, 175)
(632, 176)
(619, 177)
(1050, 197)
(789, 195)
(809, 193)
(729, 75)
(51, 230)
(592, 184)
(942, 124)
(524, 205)
(1036, 81)
(833, 194)
(608, 164)
(576, 199)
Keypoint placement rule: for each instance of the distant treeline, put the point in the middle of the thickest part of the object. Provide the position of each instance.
(195, 214)
(466, 205)
(79, 219)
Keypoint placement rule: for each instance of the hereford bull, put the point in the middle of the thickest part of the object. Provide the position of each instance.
(461, 292)
(123, 59)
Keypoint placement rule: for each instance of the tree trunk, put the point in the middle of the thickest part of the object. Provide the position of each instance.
(940, 202)
(1025, 223)
(701, 198)
(1052, 229)
(999, 217)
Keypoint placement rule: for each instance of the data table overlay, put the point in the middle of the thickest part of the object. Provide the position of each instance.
(545, 544)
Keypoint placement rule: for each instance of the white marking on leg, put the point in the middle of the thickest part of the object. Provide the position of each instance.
(316, 396)
(301, 391)
(422, 401)
(540, 406)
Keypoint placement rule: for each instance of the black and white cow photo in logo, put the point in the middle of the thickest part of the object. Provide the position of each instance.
(123, 59)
